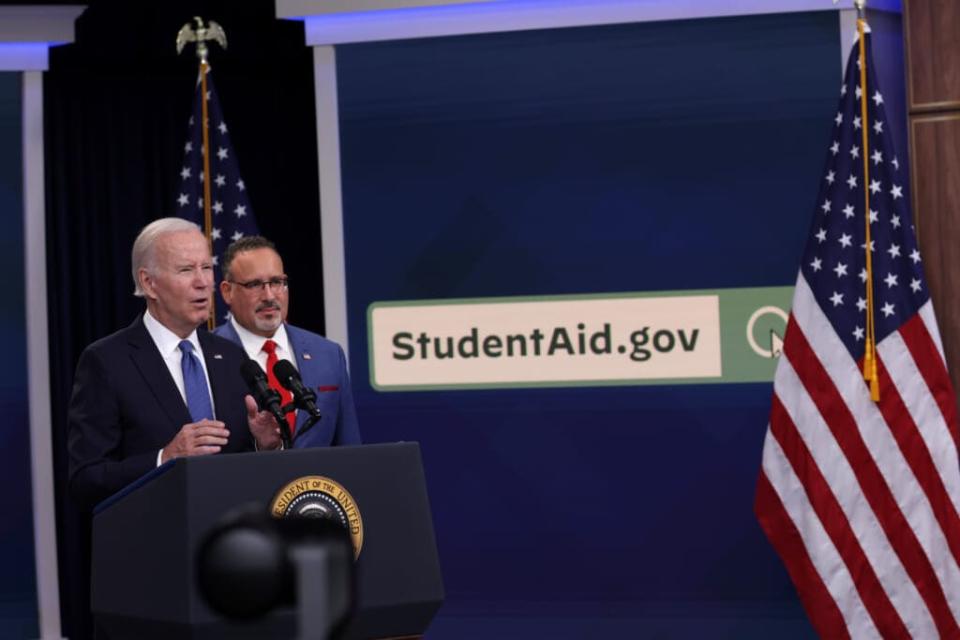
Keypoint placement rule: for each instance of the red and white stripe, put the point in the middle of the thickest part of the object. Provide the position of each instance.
(862, 499)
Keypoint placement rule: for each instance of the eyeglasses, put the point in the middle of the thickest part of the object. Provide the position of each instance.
(276, 284)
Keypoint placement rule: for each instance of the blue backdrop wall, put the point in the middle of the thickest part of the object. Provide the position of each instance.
(645, 157)
(18, 606)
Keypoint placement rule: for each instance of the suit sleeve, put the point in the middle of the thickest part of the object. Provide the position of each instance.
(94, 436)
(348, 430)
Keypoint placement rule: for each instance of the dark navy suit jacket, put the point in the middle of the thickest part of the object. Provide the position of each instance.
(125, 407)
(323, 368)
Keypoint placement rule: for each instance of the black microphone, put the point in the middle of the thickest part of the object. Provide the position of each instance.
(267, 399)
(304, 397)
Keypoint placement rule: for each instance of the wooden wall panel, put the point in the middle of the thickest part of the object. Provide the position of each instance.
(932, 32)
(935, 162)
(932, 29)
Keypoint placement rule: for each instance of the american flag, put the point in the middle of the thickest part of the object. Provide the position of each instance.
(861, 498)
(231, 213)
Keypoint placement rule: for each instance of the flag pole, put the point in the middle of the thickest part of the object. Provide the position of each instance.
(207, 215)
(870, 352)
(201, 35)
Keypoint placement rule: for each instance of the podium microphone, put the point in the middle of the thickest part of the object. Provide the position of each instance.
(303, 396)
(267, 399)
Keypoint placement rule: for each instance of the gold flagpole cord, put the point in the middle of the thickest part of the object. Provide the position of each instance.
(870, 352)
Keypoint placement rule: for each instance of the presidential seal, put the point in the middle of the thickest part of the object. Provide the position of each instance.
(320, 497)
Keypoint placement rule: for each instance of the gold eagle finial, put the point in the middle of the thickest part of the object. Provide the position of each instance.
(201, 35)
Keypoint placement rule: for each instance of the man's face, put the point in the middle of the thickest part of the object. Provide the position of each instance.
(258, 309)
(178, 281)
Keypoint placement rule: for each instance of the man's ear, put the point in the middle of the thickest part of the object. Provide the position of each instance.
(147, 284)
(226, 290)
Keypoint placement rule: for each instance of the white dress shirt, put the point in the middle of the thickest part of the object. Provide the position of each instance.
(168, 343)
(253, 345)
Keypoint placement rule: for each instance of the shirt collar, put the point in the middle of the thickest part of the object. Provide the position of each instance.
(253, 344)
(167, 341)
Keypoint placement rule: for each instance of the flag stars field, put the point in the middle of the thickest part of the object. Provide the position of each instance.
(230, 194)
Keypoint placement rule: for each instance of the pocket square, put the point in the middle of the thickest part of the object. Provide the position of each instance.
(327, 387)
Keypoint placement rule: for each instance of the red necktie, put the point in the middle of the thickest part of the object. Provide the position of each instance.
(270, 347)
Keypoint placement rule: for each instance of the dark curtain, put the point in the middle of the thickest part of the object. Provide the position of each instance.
(116, 108)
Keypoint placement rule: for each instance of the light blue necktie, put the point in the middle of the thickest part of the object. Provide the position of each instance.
(195, 384)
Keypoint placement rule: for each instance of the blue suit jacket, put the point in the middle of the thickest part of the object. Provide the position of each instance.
(125, 407)
(323, 368)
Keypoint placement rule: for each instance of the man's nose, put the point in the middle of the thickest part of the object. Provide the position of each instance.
(202, 278)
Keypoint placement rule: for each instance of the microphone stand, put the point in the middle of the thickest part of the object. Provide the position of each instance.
(312, 420)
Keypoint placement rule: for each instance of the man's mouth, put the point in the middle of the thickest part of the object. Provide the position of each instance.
(268, 308)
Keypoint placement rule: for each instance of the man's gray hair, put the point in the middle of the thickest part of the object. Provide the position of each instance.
(142, 256)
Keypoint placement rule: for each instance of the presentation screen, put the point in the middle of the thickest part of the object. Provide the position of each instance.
(569, 262)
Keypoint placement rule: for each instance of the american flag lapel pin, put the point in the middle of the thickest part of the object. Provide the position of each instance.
(217, 356)
(307, 356)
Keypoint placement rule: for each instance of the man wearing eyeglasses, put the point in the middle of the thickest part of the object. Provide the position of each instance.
(257, 291)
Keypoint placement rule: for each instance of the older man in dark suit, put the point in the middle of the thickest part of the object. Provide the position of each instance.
(160, 389)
